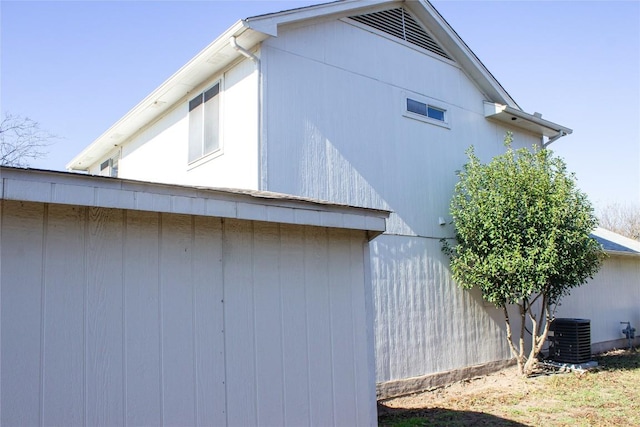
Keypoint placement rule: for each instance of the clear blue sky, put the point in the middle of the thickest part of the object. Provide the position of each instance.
(77, 67)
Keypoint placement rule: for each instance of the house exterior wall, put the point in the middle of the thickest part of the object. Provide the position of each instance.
(114, 317)
(611, 297)
(335, 130)
(159, 152)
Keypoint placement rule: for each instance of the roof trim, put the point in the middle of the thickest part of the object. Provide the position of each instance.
(253, 30)
(624, 245)
(32, 185)
(518, 118)
(204, 65)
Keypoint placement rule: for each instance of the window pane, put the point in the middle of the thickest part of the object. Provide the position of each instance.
(195, 102)
(212, 92)
(436, 113)
(416, 107)
(211, 124)
(195, 133)
(114, 167)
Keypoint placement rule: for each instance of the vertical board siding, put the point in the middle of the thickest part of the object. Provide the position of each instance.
(176, 320)
(21, 312)
(104, 317)
(268, 323)
(141, 268)
(64, 366)
(209, 322)
(318, 301)
(239, 323)
(113, 317)
(295, 342)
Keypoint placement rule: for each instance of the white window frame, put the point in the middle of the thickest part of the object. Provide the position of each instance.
(109, 167)
(429, 103)
(206, 156)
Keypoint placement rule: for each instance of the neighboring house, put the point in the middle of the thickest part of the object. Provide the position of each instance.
(612, 297)
(132, 303)
(366, 103)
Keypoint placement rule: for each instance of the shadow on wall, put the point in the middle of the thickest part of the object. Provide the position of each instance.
(438, 417)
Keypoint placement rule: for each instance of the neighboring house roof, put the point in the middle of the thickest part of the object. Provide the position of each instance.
(42, 186)
(615, 244)
(250, 32)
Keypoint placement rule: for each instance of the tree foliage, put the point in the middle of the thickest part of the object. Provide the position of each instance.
(522, 230)
(22, 140)
(622, 219)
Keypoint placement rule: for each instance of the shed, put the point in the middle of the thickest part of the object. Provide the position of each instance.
(132, 303)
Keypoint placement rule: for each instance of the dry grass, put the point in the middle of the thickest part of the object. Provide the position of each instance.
(607, 396)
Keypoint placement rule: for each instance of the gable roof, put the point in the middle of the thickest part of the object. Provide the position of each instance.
(615, 244)
(248, 33)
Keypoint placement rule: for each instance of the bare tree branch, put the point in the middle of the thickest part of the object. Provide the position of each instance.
(622, 219)
(22, 140)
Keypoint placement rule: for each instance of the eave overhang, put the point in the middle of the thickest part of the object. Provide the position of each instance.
(616, 245)
(530, 122)
(211, 60)
(252, 31)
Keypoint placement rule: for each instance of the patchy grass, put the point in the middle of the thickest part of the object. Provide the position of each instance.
(607, 396)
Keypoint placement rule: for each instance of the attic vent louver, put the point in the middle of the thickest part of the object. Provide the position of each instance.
(399, 23)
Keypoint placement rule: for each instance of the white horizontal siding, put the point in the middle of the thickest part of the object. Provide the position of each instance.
(120, 317)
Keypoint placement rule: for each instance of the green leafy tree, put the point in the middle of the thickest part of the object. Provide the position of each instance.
(522, 231)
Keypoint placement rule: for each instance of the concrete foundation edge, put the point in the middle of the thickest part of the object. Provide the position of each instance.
(405, 386)
(622, 343)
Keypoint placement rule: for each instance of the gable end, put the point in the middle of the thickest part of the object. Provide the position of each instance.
(401, 24)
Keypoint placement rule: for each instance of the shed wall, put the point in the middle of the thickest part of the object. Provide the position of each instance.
(116, 317)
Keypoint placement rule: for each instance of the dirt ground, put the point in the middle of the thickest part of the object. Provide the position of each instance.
(605, 396)
(506, 379)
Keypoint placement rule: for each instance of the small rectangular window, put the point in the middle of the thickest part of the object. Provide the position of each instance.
(420, 108)
(110, 167)
(426, 110)
(204, 123)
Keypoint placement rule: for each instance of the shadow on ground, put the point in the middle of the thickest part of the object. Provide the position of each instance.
(619, 360)
(402, 417)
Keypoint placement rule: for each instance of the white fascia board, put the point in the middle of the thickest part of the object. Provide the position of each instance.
(30, 185)
(211, 60)
(269, 23)
(518, 118)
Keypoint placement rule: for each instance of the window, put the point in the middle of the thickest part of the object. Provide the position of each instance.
(204, 123)
(423, 109)
(110, 167)
(426, 110)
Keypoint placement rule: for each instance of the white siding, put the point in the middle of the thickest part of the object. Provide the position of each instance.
(424, 322)
(120, 317)
(335, 130)
(159, 152)
(611, 297)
